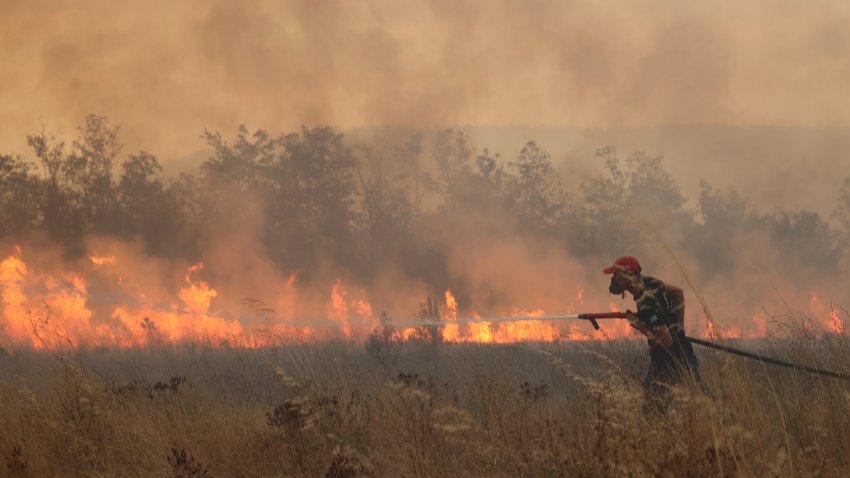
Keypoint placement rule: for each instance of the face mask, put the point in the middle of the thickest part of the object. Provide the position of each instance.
(615, 289)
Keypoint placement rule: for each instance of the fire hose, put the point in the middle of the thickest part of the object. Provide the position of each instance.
(593, 317)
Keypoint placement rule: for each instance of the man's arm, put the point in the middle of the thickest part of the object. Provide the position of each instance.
(660, 333)
(677, 303)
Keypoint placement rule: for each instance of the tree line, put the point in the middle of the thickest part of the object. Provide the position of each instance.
(365, 204)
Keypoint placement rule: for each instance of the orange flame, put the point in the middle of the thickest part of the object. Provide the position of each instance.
(101, 260)
(13, 273)
(760, 319)
(525, 330)
(835, 324)
(355, 317)
(40, 308)
(829, 317)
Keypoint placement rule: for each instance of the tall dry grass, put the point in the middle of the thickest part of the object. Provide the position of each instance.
(417, 409)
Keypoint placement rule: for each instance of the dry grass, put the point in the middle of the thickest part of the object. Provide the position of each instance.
(416, 409)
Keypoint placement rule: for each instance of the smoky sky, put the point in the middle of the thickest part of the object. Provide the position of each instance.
(166, 70)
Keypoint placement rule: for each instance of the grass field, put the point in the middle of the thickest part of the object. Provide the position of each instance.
(417, 409)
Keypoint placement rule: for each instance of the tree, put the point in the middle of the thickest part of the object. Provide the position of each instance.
(484, 189)
(243, 163)
(186, 194)
(653, 193)
(489, 168)
(408, 169)
(148, 208)
(452, 155)
(598, 223)
(21, 196)
(88, 173)
(622, 206)
(805, 237)
(61, 215)
(312, 184)
(725, 219)
(387, 200)
(535, 189)
(841, 216)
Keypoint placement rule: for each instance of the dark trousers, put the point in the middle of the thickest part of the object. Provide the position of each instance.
(665, 371)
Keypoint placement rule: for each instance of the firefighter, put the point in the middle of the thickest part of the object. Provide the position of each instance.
(660, 317)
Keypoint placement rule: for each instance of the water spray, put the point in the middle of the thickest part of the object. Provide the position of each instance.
(593, 317)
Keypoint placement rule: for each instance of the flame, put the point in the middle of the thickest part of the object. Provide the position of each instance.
(710, 333)
(733, 333)
(829, 318)
(338, 308)
(66, 316)
(101, 260)
(190, 319)
(488, 332)
(287, 297)
(93, 304)
(197, 295)
(835, 324)
(451, 306)
(451, 331)
(13, 273)
(355, 317)
(760, 319)
(484, 331)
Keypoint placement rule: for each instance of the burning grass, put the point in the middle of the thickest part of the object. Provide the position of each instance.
(416, 408)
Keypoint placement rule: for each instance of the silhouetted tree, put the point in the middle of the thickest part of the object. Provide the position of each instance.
(654, 194)
(489, 167)
(243, 163)
(621, 208)
(485, 189)
(599, 222)
(186, 193)
(841, 216)
(725, 220)
(535, 189)
(88, 173)
(21, 196)
(805, 240)
(311, 196)
(386, 199)
(409, 170)
(452, 157)
(148, 208)
(61, 213)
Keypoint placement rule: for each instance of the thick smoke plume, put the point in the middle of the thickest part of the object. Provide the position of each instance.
(166, 71)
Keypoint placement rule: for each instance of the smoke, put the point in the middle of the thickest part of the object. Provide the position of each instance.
(166, 71)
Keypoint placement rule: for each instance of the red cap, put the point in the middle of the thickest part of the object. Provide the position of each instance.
(625, 264)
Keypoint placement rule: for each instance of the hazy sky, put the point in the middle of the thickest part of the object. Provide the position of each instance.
(164, 70)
